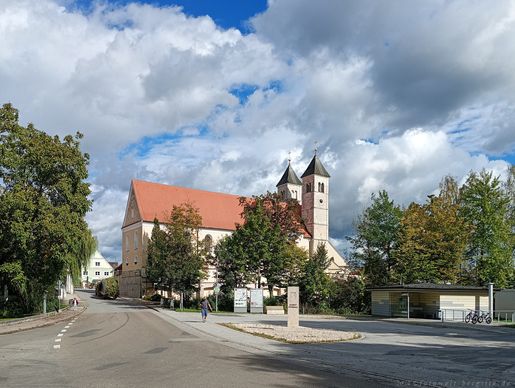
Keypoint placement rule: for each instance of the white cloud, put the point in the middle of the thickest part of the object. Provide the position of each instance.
(152, 89)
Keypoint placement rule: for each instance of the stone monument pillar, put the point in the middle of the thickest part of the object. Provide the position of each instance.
(293, 306)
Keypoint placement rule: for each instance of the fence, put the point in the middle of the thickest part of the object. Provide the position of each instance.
(500, 316)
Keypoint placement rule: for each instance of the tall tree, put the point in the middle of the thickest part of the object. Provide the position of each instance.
(315, 285)
(490, 251)
(176, 257)
(432, 241)
(43, 202)
(374, 244)
(285, 214)
(261, 248)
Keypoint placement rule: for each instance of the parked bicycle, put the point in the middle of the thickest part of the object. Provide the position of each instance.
(485, 317)
(472, 316)
(478, 317)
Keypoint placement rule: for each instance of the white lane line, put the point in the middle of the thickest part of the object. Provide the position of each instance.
(71, 323)
(63, 331)
(67, 327)
(58, 340)
(60, 334)
(57, 346)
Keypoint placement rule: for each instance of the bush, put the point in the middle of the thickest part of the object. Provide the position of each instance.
(349, 296)
(107, 288)
(281, 300)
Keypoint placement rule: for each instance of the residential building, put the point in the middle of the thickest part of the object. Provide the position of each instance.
(98, 268)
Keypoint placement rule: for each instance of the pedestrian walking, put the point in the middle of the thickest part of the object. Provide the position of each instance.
(204, 307)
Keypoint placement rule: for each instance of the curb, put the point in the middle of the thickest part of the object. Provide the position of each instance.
(40, 321)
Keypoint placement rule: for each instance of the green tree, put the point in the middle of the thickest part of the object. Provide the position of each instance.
(316, 285)
(432, 241)
(261, 248)
(349, 295)
(176, 257)
(375, 242)
(43, 202)
(486, 205)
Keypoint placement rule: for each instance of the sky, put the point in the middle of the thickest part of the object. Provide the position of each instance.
(214, 95)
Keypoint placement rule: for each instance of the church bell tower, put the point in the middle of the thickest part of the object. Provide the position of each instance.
(290, 186)
(315, 201)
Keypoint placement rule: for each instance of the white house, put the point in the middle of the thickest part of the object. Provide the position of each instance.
(98, 269)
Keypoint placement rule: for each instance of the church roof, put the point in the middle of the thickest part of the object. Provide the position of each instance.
(218, 210)
(316, 167)
(289, 176)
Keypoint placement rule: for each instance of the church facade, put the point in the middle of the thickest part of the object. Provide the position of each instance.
(220, 214)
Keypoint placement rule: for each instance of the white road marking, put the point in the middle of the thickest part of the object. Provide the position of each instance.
(60, 334)
(63, 331)
(58, 340)
(71, 323)
(57, 346)
(67, 327)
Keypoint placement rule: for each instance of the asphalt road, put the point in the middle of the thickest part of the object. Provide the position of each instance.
(115, 344)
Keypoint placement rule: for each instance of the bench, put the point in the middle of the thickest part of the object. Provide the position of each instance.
(275, 310)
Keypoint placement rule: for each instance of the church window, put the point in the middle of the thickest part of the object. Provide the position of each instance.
(308, 188)
(208, 243)
(135, 241)
(320, 187)
(126, 243)
(283, 194)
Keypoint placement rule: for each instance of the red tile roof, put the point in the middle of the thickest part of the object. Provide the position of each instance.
(218, 210)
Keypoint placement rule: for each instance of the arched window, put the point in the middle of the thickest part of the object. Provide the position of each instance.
(321, 187)
(208, 243)
(283, 195)
(308, 188)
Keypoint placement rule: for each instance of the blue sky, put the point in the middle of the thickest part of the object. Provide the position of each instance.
(217, 95)
(225, 13)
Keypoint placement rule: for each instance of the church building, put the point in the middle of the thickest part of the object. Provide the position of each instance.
(220, 214)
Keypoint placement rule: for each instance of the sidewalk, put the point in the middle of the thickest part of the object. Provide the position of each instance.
(16, 325)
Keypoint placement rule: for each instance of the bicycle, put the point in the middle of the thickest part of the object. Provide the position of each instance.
(472, 316)
(486, 317)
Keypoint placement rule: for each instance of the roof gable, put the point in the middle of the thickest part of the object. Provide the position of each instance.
(132, 212)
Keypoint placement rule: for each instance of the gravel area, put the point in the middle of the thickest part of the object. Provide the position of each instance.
(298, 335)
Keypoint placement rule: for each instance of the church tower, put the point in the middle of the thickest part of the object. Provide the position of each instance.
(315, 201)
(290, 186)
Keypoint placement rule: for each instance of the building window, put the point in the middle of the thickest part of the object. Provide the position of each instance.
(126, 243)
(295, 194)
(135, 241)
(126, 261)
(97, 263)
(85, 273)
(308, 188)
(97, 273)
(106, 273)
(320, 187)
(208, 243)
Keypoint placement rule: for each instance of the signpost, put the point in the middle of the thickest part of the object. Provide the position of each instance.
(240, 300)
(256, 301)
(216, 289)
(293, 307)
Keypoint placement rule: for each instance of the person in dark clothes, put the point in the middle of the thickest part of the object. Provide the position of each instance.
(204, 307)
